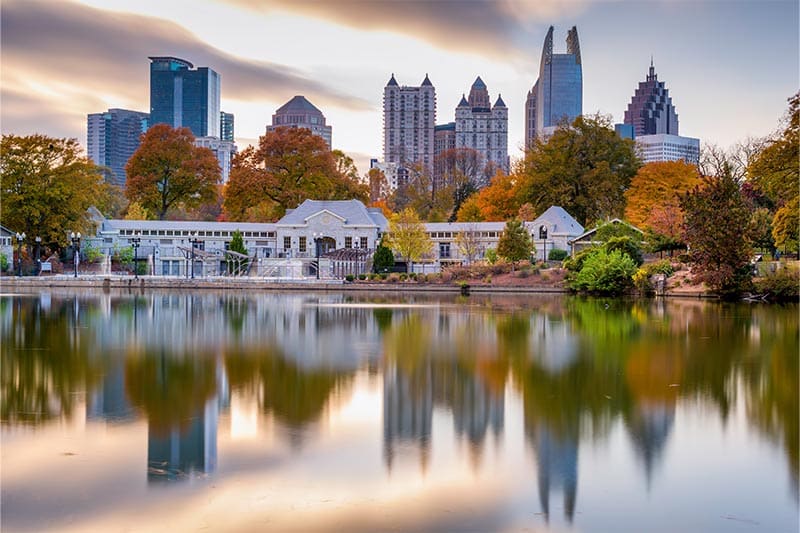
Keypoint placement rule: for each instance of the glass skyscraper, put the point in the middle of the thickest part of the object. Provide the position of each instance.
(558, 93)
(183, 96)
(112, 138)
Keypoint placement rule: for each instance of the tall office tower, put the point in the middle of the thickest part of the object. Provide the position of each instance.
(409, 119)
(558, 93)
(183, 96)
(651, 110)
(300, 113)
(112, 138)
(226, 132)
(483, 127)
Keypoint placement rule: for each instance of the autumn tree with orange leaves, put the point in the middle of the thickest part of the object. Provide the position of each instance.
(289, 166)
(169, 171)
(497, 202)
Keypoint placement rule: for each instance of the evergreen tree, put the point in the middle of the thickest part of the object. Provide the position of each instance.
(383, 259)
(237, 245)
(515, 244)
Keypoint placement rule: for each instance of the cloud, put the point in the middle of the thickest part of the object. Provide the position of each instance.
(495, 28)
(56, 50)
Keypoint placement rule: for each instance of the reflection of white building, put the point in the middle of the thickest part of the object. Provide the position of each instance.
(313, 229)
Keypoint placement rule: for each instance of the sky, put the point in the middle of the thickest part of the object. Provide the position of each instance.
(729, 65)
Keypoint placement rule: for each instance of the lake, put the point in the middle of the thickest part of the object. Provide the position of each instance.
(251, 411)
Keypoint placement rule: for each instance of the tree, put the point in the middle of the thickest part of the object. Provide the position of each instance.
(584, 167)
(407, 236)
(383, 259)
(716, 230)
(515, 243)
(785, 226)
(761, 229)
(498, 201)
(468, 243)
(47, 185)
(168, 170)
(378, 185)
(655, 189)
(137, 212)
(289, 166)
(605, 272)
(470, 211)
(431, 201)
(526, 213)
(236, 264)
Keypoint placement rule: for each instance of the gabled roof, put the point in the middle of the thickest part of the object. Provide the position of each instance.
(351, 212)
(298, 103)
(584, 236)
(499, 102)
(478, 83)
(559, 221)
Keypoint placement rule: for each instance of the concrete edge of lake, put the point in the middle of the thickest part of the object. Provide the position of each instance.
(159, 282)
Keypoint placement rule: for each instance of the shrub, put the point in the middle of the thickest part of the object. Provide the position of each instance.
(93, 255)
(403, 276)
(779, 286)
(393, 277)
(3, 263)
(605, 273)
(557, 255)
(491, 256)
(362, 277)
(627, 246)
(488, 278)
(383, 275)
(545, 276)
(575, 264)
(349, 277)
(524, 273)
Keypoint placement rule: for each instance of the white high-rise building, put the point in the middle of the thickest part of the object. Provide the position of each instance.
(409, 118)
(223, 150)
(666, 147)
(483, 127)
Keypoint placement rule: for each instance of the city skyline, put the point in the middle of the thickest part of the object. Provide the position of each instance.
(716, 56)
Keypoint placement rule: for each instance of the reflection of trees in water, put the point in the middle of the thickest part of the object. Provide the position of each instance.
(295, 395)
(45, 359)
(170, 388)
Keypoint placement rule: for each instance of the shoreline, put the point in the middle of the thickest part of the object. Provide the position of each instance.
(166, 283)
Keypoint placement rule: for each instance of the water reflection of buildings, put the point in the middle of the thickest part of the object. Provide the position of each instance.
(557, 468)
(109, 401)
(410, 395)
(649, 428)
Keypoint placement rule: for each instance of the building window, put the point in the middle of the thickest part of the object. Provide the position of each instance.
(348, 242)
(364, 243)
(302, 244)
(444, 250)
(287, 243)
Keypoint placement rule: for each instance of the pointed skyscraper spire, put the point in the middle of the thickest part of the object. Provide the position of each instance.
(392, 82)
(651, 76)
(426, 81)
(499, 102)
(463, 102)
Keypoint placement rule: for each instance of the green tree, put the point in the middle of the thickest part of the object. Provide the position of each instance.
(605, 272)
(383, 259)
(407, 236)
(584, 167)
(786, 226)
(627, 245)
(761, 229)
(515, 244)
(168, 170)
(289, 166)
(237, 245)
(716, 230)
(47, 185)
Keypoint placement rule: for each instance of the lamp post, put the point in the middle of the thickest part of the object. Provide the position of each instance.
(317, 237)
(543, 236)
(76, 246)
(135, 244)
(38, 254)
(194, 241)
(20, 238)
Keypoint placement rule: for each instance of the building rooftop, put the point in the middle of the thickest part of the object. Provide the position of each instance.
(352, 212)
(298, 104)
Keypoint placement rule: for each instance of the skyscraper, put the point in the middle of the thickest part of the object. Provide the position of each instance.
(300, 113)
(183, 96)
(483, 127)
(558, 93)
(409, 119)
(651, 110)
(226, 132)
(111, 139)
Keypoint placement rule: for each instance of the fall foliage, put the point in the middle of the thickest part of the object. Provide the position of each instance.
(47, 185)
(497, 202)
(289, 166)
(169, 171)
(583, 167)
(407, 236)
